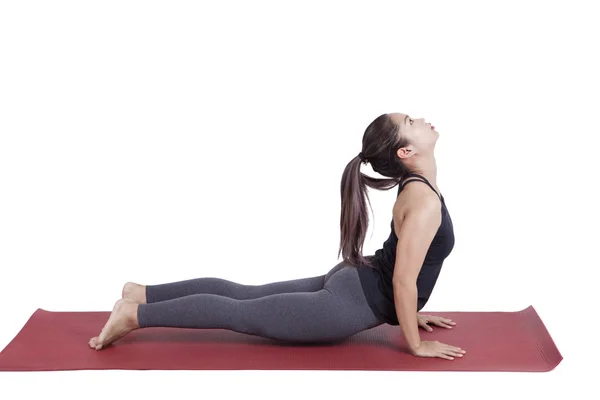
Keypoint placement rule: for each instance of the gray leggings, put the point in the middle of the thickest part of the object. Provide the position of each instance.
(323, 308)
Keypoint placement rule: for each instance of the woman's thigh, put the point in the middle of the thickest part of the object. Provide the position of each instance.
(336, 312)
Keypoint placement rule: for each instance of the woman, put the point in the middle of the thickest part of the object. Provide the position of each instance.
(357, 294)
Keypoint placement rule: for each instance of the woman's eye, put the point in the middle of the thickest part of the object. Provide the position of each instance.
(411, 121)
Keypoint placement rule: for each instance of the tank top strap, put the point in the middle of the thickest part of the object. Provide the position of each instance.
(415, 177)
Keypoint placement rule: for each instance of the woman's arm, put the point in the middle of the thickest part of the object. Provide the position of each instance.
(405, 299)
(415, 230)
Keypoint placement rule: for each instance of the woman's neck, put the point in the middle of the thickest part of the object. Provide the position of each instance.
(428, 169)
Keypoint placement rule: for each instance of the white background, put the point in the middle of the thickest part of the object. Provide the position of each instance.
(160, 141)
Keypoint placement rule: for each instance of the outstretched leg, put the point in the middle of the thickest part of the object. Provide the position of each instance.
(223, 287)
(335, 312)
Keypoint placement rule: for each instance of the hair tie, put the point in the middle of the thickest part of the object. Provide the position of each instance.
(362, 157)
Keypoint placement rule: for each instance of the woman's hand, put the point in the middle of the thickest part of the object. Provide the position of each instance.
(437, 349)
(423, 320)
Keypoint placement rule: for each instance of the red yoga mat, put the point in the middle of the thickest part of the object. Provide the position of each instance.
(494, 341)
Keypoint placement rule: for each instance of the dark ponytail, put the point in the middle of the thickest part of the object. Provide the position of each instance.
(381, 142)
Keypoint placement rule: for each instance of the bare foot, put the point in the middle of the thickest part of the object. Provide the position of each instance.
(134, 292)
(122, 320)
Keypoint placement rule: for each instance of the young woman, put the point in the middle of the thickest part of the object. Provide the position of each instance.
(359, 293)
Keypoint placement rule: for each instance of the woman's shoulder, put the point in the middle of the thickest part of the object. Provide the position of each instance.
(417, 198)
(419, 202)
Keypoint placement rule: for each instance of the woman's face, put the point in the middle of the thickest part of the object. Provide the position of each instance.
(420, 135)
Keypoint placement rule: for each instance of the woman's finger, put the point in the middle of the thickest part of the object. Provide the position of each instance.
(449, 351)
(442, 324)
(425, 326)
(445, 320)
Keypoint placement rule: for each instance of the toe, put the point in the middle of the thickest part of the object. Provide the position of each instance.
(102, 338)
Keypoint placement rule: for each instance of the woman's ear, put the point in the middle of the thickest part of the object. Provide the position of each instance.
(405, 152)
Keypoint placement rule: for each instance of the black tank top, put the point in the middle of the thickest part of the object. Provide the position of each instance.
(377, 283)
